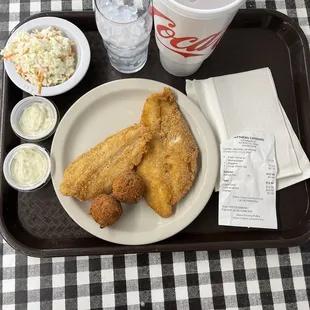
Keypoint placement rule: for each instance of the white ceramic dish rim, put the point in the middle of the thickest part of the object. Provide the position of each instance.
(8, 161)
(26, 101)
(81, 69)
(206, 134)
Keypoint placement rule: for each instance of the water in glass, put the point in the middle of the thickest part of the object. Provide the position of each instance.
(125, 27)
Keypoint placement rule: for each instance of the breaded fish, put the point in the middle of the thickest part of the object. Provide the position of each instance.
(169, 167)
(93, 172)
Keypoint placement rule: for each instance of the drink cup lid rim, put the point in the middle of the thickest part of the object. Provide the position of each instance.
(202, 13)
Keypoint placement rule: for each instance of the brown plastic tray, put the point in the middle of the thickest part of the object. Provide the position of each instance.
(36, 224)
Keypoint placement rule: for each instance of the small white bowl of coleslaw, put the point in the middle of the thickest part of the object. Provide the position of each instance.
(46, 56)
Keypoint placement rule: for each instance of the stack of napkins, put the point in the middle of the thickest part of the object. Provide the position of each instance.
(248, 100)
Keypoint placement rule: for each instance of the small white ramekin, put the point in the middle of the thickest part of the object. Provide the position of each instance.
(8, 162)
(81, 49)
(20, 108)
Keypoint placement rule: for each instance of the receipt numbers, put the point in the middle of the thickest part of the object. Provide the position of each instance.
(248, 181)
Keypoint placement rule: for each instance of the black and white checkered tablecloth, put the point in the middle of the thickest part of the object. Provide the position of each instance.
(239, 279)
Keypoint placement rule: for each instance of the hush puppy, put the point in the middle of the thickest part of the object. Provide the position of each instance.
(128, 187)
(105, 210)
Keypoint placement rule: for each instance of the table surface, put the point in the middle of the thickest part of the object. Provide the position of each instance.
(244, 279)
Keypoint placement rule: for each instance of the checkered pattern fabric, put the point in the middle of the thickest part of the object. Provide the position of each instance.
(238, 279)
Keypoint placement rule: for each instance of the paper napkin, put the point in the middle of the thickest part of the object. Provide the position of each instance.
(249, 100)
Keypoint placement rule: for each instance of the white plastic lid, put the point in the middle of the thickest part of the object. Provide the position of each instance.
(205, 4)
(203, 9)
(8, 162)
(18, 111)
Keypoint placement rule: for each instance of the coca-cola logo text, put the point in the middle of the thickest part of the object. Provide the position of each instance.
(185, 46)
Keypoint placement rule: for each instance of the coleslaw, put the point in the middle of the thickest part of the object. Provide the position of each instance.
(43, 58)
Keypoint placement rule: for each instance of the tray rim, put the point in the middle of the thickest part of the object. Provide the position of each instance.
(155, 247)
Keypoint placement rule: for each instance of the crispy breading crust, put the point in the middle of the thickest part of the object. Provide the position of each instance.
(93, 172)
(170, 165)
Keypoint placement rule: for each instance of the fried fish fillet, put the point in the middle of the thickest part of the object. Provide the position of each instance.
(170, 165)
(93, 172)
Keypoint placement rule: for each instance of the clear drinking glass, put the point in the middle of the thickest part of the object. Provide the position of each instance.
(125, 27)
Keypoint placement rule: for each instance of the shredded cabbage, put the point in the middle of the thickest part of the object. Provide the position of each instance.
(43, 58)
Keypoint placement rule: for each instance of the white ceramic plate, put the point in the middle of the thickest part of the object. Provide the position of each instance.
(104, 111)
(82, 51)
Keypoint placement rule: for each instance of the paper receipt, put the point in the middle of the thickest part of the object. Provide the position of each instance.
(247, 195)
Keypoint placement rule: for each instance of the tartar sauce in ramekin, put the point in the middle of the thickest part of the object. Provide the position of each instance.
(36, 119)
(28, 166)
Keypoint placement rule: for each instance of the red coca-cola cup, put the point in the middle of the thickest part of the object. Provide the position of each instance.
(187, 31)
